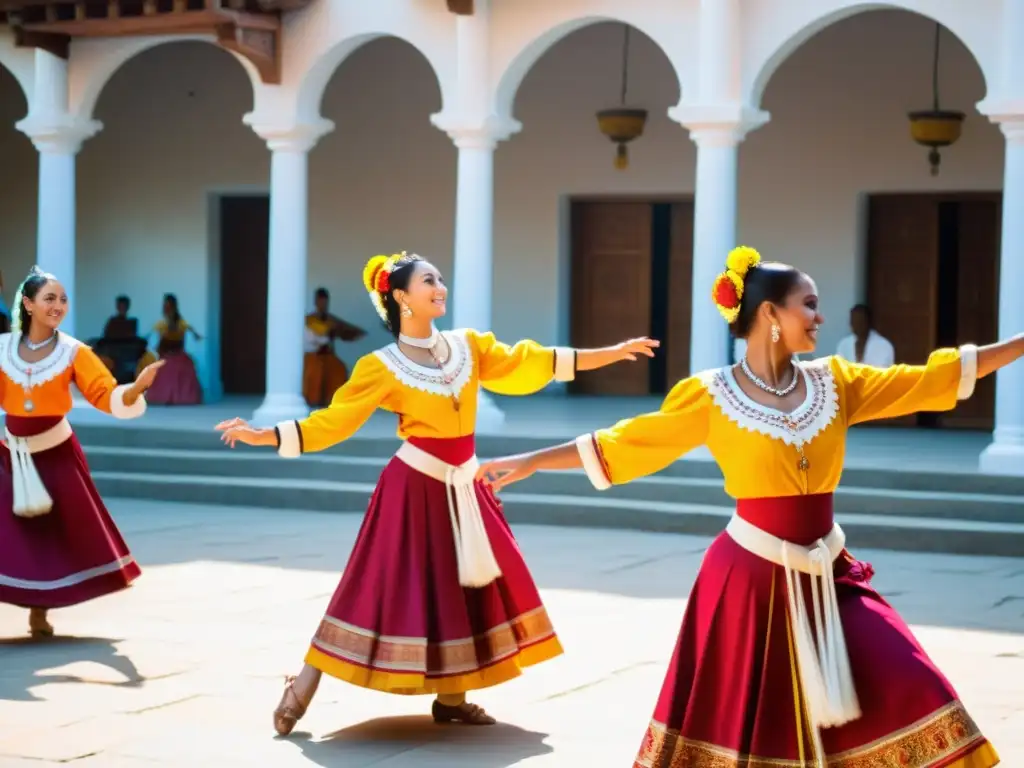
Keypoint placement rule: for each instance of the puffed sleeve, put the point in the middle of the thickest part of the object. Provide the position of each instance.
(98, 385)
(648, 443)
(883, 393)
(350, 407)
(522, 369)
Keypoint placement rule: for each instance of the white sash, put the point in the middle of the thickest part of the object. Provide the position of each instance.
(31, 498)
(824, 667)
(473, 553)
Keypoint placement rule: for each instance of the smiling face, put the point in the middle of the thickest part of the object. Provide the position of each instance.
(426, 295)
(49, 306)
(798, 318)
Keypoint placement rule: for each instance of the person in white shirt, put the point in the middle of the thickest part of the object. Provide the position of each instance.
(866, 345)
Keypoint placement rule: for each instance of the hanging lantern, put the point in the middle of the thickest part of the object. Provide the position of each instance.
(935, 128)
(622, 124)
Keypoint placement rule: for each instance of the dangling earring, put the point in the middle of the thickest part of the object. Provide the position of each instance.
(776, 333)
(406, 312)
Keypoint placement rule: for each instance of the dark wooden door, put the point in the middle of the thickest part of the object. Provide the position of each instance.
(244, 241)
(676, 347)
(903, 275)
(611, 288)
(978, 227)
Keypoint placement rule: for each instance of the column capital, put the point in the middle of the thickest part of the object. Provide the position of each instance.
(1008, 115)
(473, 132)
(718, 125)
(58, 133)
(289, 136)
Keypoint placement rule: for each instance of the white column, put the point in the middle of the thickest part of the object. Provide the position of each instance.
(58, 137)
(717, 131)
(287, 268)
(476, 132)
(1005, 455)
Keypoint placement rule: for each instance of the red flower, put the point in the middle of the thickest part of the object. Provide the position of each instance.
(725, 293)
(383, 281)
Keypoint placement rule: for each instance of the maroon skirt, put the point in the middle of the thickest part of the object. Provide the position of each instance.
(732, 698)
(74, 552)
(400, 622)
(176, 383)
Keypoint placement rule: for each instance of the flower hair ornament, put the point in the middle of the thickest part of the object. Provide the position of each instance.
(377, 280)
(727, 291)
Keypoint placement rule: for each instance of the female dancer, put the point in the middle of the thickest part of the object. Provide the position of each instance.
(414, 614)
(179, 384)
(750, 682)
(58, 544)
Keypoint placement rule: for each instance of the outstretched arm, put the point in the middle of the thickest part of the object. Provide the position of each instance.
(995, 356)
(632, 448)
(592, 359)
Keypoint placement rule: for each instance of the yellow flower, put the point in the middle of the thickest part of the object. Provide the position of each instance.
(741, 259)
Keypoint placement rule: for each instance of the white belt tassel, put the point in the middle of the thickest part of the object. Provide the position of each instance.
(824, 666)
(31, 498)
(473, 553)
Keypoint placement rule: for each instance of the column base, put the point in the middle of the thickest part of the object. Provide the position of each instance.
(278, 407)
(490, 419)
(1003, 458)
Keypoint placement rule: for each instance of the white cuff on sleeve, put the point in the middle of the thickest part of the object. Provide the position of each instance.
(592, 462)
(968, 371)
(118, 408)
(565, 364)
(289, 440)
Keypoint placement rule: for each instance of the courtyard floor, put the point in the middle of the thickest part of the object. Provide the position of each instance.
(185, 668)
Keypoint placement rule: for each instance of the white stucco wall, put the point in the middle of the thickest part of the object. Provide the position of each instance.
(384, 180)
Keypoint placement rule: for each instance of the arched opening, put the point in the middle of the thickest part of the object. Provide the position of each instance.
(836, 185)
(592, 252)
(382, 182)
(155, 214)
(19, 190)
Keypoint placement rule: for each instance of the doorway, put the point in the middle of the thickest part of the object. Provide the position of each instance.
(244, 244)
(632, 269)
(933, 281)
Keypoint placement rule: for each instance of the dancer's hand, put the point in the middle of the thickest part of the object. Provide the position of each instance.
(238, 430)
(148, 375)
(498, 473)
(628, 350)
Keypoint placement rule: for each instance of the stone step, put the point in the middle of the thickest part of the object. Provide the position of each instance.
(364, 471)
(894, 532)
(137, 440)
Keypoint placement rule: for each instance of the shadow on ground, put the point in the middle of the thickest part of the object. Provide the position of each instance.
(25, 661)
(418, 738)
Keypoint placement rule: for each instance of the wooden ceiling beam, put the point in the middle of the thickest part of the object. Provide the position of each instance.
(461, 7)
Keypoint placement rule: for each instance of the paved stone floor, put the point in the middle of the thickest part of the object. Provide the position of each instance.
(185, 668)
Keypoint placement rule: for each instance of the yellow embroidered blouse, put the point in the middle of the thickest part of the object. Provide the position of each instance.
(423, 396)
(757, 448)
(162, 329)
(46, 384)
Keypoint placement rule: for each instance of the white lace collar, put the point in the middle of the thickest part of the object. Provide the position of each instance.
(457, 369)
(50, 367)
(800, 427)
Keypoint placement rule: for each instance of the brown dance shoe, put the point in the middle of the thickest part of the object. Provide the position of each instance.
(38, 626)
(470, 714)
(290, 710)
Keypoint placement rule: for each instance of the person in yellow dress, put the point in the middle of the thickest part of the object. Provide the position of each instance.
(323, 372)
(786, 655)
(436, 597)
(59, 545)
(179, 382)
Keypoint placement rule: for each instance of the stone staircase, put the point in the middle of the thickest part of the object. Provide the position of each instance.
(964, 513)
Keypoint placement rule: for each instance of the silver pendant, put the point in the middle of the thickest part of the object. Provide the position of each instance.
(29, 406)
